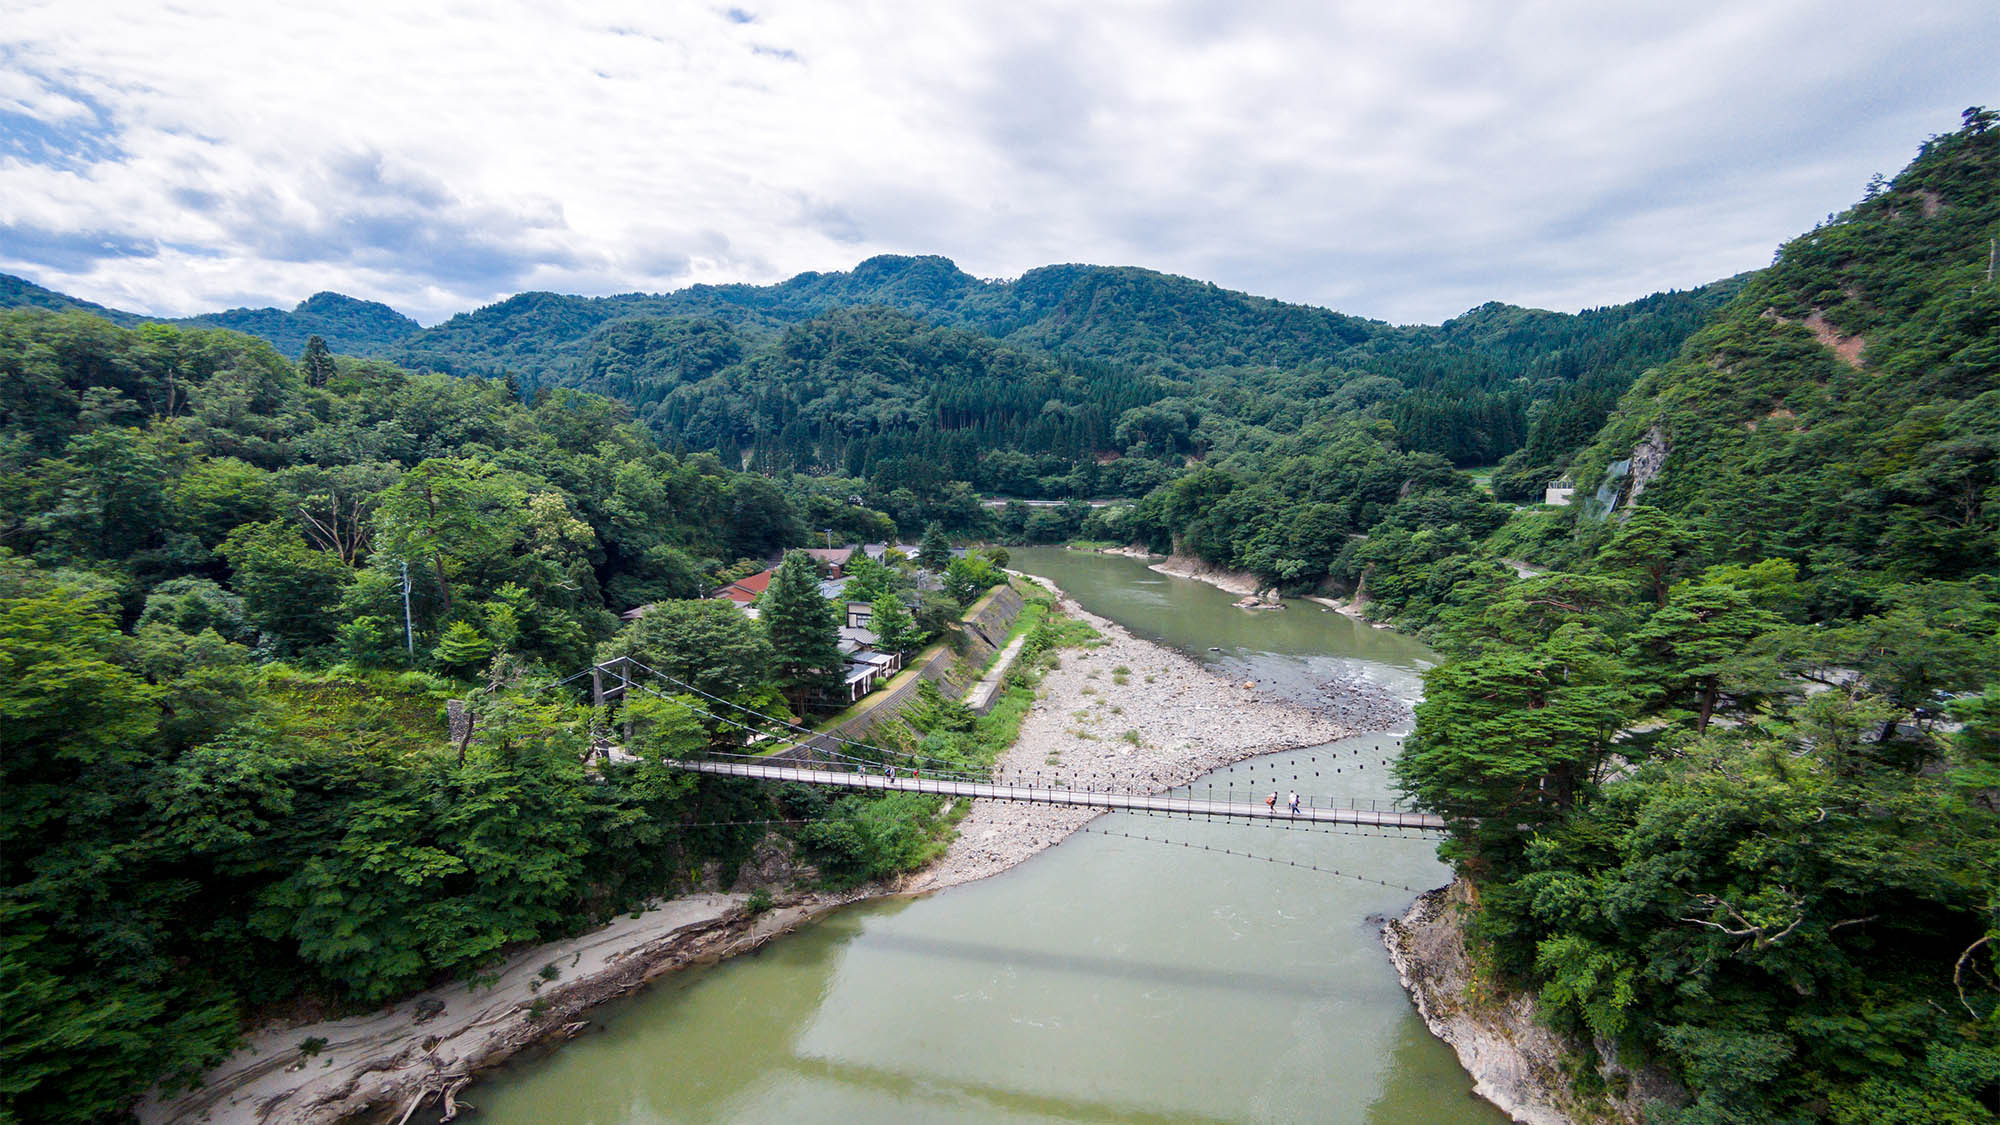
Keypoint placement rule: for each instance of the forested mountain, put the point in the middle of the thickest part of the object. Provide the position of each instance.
(1727, 780)
(1844, 411)
(348, 326)
(1474, 390)
(1114, 314)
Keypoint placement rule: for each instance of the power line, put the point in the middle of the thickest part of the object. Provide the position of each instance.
(958, 772)
(774, 720)
(891, 753)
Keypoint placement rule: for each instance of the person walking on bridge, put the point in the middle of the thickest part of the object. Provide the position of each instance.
(1295, 802)
(1271, 802)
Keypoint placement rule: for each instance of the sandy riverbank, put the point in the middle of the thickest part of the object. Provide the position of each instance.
(1186, 720)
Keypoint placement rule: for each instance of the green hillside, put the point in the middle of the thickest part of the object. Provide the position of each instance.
(1727, 779)
(1475, 390)
(19, 293)
(1843, 411)
(348, 326)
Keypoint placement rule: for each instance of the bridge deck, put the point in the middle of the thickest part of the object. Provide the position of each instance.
(1041, 795)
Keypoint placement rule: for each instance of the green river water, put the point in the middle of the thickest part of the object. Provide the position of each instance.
(1106, 979)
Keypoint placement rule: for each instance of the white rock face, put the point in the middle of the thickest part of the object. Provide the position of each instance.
(1515, 1062)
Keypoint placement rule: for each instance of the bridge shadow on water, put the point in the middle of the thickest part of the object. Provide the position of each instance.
(1108, 968)
(910, 1088)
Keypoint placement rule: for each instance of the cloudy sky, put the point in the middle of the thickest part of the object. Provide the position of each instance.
(1402, 159)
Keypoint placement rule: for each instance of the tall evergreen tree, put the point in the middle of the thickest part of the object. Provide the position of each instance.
(934, 550)
(895, 629)
(805, 638)
(462, 648)
(316, 362)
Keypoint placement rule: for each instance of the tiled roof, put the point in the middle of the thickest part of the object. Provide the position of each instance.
(744, 590)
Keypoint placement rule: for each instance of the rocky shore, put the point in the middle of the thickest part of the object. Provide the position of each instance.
(421, 1050)
(1131, 715)
(1234, 581)
(1255, 594)
(1125, 714)
(1515, 1061)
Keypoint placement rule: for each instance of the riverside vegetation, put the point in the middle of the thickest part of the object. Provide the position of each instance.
(1723, 778)
(229, 789)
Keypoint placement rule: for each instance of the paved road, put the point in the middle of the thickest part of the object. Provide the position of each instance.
(1122, 802)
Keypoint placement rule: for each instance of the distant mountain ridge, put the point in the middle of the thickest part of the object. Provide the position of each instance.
(347, 324)
(912, 361)
(1116, 313)
(1091, 312)
(20, 293)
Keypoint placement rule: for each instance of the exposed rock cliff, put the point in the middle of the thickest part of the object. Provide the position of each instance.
(1515, 1062)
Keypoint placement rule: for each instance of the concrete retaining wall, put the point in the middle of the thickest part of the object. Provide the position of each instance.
(981, 632)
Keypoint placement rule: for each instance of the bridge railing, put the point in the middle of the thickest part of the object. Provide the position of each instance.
(870, 776)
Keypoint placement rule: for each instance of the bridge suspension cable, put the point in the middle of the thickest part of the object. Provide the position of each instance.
(957, 781)
(1088, 797)
(774, 720)
(1247, 855)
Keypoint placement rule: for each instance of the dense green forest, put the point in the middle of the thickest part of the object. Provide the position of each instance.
(1723, 772)
(1727, 778)
(1071, 381)
(237, 596)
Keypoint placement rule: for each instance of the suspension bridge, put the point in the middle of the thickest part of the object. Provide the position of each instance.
(803, 756)
(1175, 804)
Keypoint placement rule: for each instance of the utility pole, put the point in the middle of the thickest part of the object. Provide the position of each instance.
(829, 531)
(409, 626)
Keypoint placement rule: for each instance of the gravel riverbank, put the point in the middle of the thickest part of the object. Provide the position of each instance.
(1135, 716)
(1127, 714)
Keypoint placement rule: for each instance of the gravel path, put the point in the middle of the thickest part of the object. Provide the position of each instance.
(1161, 722)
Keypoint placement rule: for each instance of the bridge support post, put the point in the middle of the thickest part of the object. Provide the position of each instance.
(624, 693)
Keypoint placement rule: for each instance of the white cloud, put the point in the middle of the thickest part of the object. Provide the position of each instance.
(1404, 161)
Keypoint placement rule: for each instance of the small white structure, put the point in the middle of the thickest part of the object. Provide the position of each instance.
(1558, 492)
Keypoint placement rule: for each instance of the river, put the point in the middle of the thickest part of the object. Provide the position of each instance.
(1106, 979)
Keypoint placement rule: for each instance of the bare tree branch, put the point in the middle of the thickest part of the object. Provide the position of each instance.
(1760, 936)
(1958, 972)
